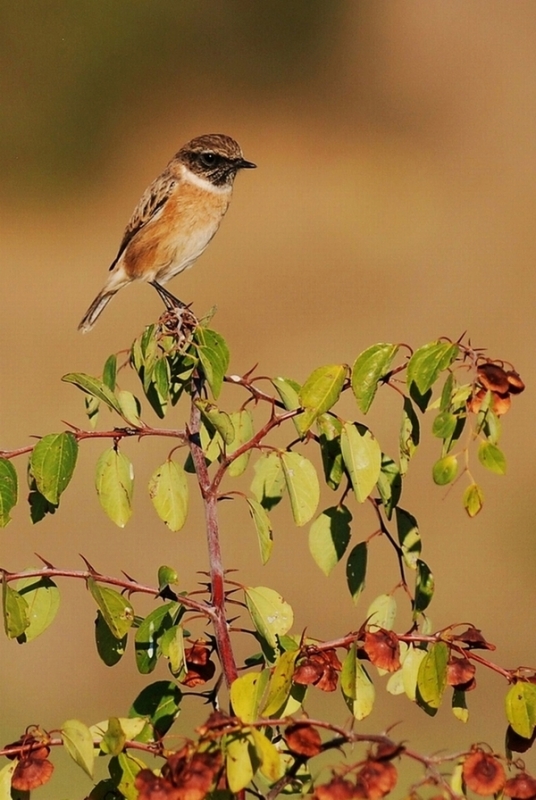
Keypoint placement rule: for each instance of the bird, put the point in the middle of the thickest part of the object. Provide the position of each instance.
(175, 219)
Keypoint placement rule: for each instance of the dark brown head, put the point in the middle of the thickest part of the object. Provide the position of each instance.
(215, 157)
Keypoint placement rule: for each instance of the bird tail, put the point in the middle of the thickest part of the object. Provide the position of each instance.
(96, 308)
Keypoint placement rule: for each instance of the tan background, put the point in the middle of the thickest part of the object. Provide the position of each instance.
(394, 201)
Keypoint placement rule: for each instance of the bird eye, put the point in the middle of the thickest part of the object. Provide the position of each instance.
(208, 159)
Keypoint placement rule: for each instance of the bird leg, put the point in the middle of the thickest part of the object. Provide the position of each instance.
(170, 301)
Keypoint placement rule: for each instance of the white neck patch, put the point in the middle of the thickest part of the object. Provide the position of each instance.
(203, 183)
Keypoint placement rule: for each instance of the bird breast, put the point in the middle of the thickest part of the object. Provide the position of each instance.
(174, 238)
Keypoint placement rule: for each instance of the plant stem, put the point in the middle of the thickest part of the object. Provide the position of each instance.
(217, 573)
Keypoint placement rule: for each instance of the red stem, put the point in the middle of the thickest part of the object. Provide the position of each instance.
(130, 585)
(217, 573)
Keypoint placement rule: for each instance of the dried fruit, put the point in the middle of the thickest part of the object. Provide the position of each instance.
(383, 649)
(303, 739)
(320, 669)
(200, 668)
(483, 773)
(521, 787)
(33, 770)
(338, 789)
(461, 674)
(493, 377)
(377, 778)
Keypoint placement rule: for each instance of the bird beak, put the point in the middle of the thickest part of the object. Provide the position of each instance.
(243, 164)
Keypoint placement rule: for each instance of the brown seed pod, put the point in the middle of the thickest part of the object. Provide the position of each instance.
(516, 385)
(493, 377)
(483, 773)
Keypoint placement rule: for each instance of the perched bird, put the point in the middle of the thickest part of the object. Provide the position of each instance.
(175, 219)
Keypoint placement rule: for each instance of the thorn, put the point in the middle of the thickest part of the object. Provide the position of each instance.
(70, 425)
(129, 577)
(246, 376)
(89, 566)
(45, 562)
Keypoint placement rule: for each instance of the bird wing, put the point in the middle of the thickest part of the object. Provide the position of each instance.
(150, 205)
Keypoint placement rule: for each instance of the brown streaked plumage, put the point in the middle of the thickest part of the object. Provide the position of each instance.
(175, 219)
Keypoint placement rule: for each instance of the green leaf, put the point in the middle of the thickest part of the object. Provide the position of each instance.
(389, 484)
(110, 649)
(329, 429)
(492, 458)
(78, 742)
(39, 505)
(168, 489)
(445, 470)
(492, 427)
(239, 769)
(219, 420)
(410, 670)
(473, 499)
(369, 368)
(459, 705)
(268, 484)
(408, 537)
(92, 406)
(93, 387)
(172, 647)
(357, 688)
(356, 570)
(15, 610)
(444, 424)
(8, 490)
(114, 739)
(116, 609)
(150, 632)
(114, 481)
(130, 408)
(381, 613)
(302, 484)
(131, 728)
(246, 694)
(424, 587)
(52, 464)
(329, 536)
(321, 391)
(362, 458)
(123, 770)
(160, 701)
(263, 526)
(104, 790)
(166, 576)
(426, 364)
(521, 708)
(214, 357)
(422, 401)
(410, 434)
(451, 440)
(156, 386)
(161, 377)
(43, 599)
(432, 678)
(269, 756)
(280, 685)
(289, 392)
(6, 773)
(109, 373)
(446, 392)
(242, 422)
(271, 615)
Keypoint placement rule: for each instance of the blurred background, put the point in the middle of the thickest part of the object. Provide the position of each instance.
(394, 200)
